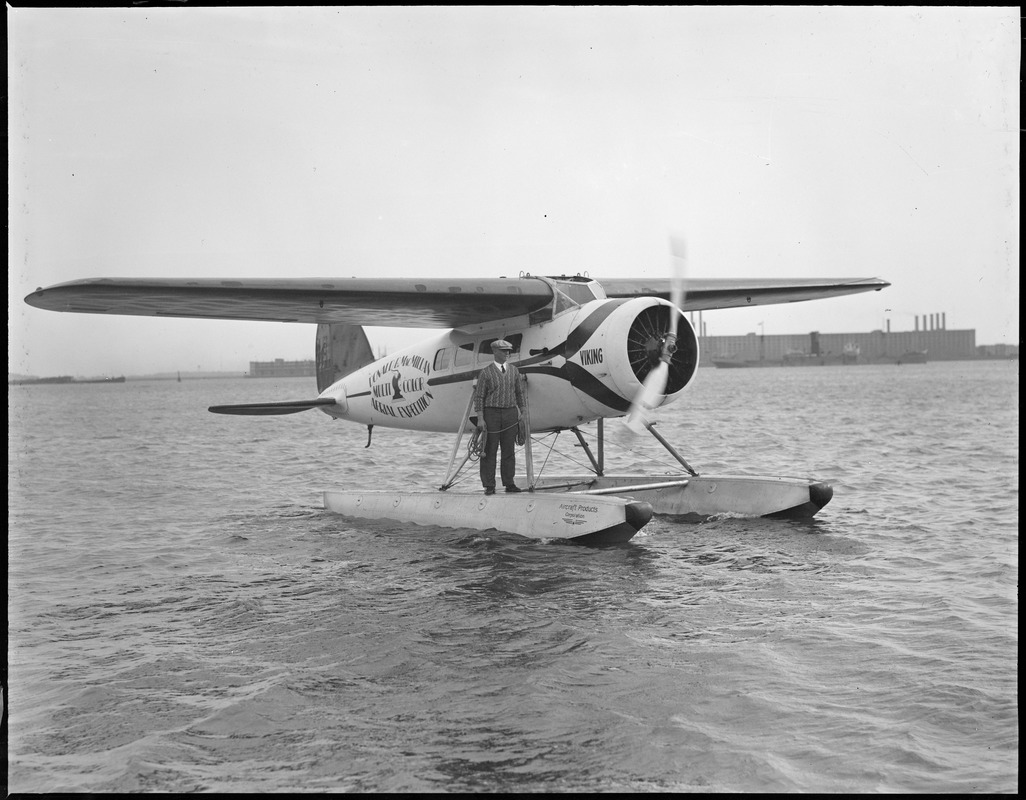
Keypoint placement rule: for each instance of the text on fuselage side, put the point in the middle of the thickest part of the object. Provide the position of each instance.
(398, 390)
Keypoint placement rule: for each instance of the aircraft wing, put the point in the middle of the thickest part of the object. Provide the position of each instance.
(399, 302)
(382, 302)
(708, 293)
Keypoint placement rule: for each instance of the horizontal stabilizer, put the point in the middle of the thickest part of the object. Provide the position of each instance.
(269, 409)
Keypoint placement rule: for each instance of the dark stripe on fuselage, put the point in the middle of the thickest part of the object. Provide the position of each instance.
(584, 382)
(580, 335)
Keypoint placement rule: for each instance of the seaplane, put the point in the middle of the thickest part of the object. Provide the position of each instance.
(588, 350)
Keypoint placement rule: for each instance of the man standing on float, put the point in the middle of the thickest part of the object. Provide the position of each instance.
(499, 403)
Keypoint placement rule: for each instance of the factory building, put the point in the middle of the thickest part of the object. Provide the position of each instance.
(930, 340)
(280, 368)
(867, 348)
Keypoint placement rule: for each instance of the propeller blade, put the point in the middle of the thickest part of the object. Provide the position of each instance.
(648, 398)
(654, 387)
(678, 278)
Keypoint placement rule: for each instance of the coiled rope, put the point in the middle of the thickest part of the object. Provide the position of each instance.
(475, 447)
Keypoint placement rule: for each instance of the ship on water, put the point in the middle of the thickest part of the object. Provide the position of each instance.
(912, 357)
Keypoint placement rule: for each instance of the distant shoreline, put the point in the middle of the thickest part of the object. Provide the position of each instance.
(29, 380)
(62, 379)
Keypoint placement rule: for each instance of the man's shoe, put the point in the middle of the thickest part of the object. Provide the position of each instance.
(513, 489)
(489, 490)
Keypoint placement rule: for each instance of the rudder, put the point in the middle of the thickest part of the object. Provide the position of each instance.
(339, 350)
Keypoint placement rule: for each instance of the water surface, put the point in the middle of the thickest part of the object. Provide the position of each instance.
(184, 616)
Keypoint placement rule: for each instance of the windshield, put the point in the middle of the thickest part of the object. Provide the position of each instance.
(568, 294)
(579, 291)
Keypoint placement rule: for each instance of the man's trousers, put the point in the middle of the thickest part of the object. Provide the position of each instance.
(501, 424)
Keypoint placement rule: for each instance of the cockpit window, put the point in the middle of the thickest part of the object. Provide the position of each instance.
(563, 302)
(569, 294)
(464, 355)
(579, 292)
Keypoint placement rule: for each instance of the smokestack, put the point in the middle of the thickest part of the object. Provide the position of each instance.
(888, 326)
(944, 320)
(917, 323)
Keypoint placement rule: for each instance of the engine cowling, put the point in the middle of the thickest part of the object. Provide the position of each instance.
(621, 342)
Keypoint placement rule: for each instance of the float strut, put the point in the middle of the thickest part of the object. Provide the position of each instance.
(669, 447)
(596, 463)
(528, 455)
(450, 473)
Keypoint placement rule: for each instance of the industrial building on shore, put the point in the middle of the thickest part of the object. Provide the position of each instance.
(280, 368)
(931, 342)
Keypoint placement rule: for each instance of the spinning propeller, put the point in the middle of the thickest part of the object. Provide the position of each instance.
(654, 387)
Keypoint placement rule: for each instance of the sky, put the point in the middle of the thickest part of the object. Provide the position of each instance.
(780, 142)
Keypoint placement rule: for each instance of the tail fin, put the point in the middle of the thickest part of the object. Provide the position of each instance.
(340, 349)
